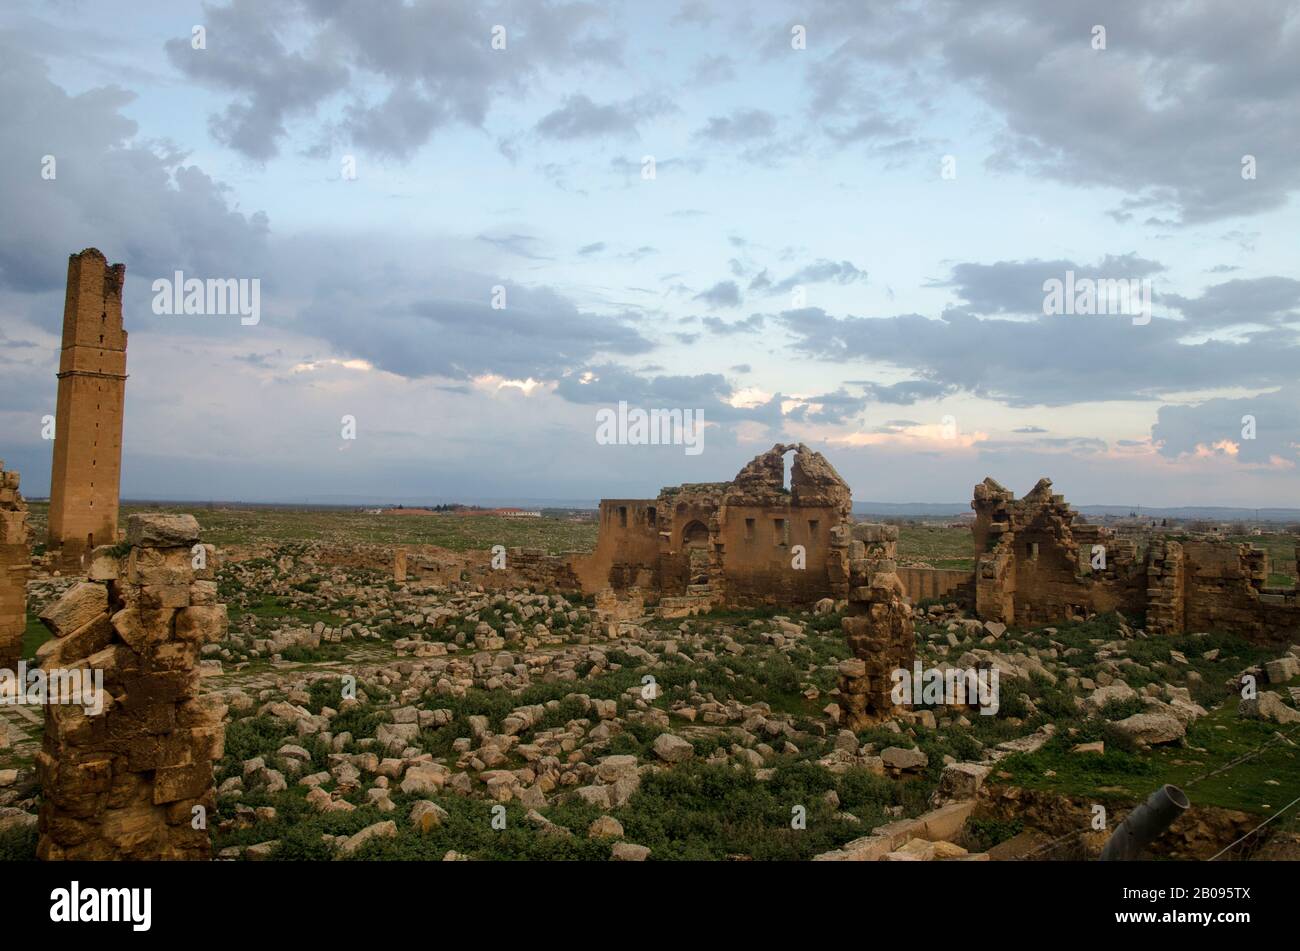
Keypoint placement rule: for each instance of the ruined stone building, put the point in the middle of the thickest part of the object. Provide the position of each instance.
(15, 562)
(1037, 562)
(86, 473)
(748, 541)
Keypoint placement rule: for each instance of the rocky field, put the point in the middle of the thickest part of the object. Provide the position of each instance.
(371, 719)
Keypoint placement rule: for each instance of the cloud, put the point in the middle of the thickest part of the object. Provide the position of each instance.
(743, 125)
(1049, 361)
(1165, 114)
(750, 325)
(139, 204)
(580, 118)
(1264, 300)
(1016, 287)
(721, 294)
(907, 392)
(820, 272)
(517, 244)
(430, 63)
(1259, 429)
(609, 384)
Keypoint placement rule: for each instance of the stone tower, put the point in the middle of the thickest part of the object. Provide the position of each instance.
(88, 427)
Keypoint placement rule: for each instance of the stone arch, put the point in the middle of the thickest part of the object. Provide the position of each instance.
(695, 534)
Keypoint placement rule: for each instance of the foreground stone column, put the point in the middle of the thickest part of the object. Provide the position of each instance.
(15, 563)
(134, 780)
(878, 627)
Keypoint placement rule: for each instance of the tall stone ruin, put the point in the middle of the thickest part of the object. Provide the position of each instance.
(134, 781)
(86, 474)
(1037, 562)
(15, 562)
(878, 625)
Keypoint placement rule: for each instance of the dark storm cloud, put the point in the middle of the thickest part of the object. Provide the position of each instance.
(432, 62)
(139, 205)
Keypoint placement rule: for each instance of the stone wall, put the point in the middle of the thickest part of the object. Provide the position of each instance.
(1034, 565)
(15, 563)
(86, 470)
(725, 542)
(935, 583)
(878, 626)
(134, 780)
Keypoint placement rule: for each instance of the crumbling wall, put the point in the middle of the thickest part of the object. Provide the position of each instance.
(1034, 560)
(15, 563)
(1035, 564)
(878, 626)
(1225, 591)
(134, 781)
(923, 584)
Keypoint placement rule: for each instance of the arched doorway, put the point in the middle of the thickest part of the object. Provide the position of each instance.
(695, 543)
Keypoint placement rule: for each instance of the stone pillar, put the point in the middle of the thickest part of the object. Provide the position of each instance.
(1166, 587)
(878, 627)
(86, 472)
(15, 562)
(399, 565)
(132, 780)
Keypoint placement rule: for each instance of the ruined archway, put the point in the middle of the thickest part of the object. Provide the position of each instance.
(695, 534)
(695, 544)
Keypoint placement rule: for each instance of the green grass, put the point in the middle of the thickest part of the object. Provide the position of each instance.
(693, 811)
(34, 636)
(1212, 742)
(233, 525)
(936, 545)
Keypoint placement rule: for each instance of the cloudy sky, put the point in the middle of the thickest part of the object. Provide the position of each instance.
(852, 212)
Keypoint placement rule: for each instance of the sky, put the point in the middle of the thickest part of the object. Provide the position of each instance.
(476, 225)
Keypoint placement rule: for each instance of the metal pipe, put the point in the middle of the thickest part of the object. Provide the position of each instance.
(1145, 824)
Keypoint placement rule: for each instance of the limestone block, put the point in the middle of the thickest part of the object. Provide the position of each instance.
(78, 606)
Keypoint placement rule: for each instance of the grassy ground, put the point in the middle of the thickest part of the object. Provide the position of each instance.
(35, 635)
(243, 526)
(938, 546)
